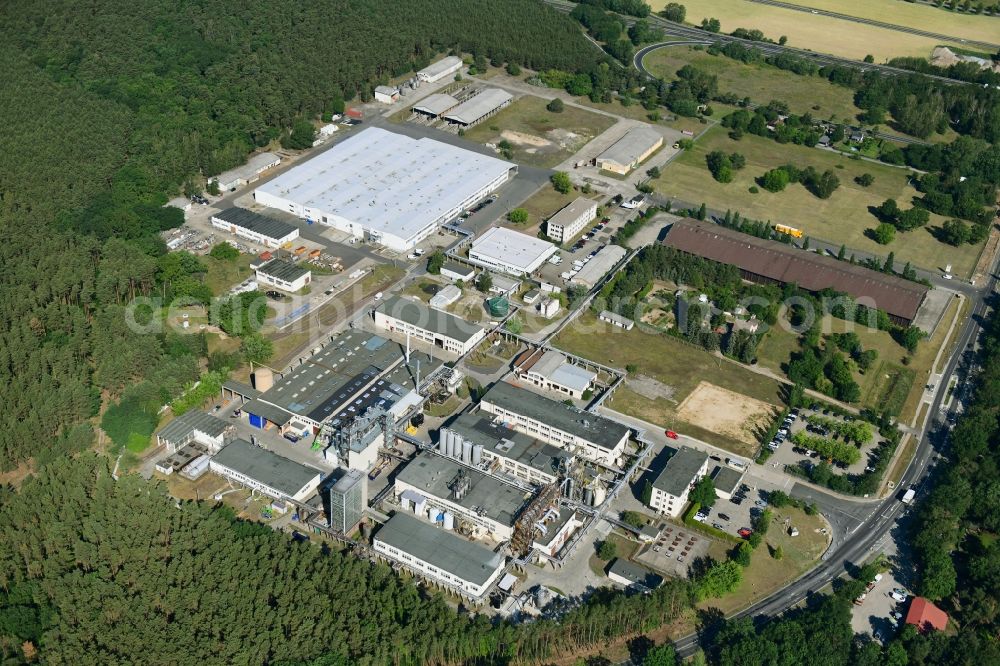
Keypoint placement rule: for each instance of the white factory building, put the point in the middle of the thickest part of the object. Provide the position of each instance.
(435, 327)
(549, 370)
(453, 494)
(440, 556)
(602, 263)
(670, 489)
(510, 251)
(630, 150)
(283, 274)
(265, 472)
(259, 229)
(440, 69)
(246, 174)
(593, 436)
(386, 187)
(571, 220)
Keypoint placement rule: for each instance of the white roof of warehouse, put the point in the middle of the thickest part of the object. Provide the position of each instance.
(388, 182)
(442, 65)
(599, 266)
(512, 247)
(630, 147)
(436, 104)
(479, 105)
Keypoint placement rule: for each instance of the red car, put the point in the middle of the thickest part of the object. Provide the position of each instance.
(671, 434)
(745, 532)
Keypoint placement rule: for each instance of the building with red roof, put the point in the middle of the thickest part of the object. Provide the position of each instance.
(924, 615)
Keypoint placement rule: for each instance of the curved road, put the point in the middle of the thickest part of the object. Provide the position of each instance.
(697, 34)
(989, 46)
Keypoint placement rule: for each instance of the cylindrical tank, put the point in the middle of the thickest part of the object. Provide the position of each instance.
(450, 446)
(477, 454)
(498, 306)
(588, 497)
(443, 442)
(405, 503)
(466, 451)
(599, 494)
(419, 507)
(449, 521)
(569, 488)
(263, 379)
(431, 513)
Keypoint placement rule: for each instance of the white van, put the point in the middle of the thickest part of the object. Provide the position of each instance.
(736, 464)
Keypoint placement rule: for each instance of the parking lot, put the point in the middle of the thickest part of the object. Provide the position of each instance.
(788, 453)
(674, 550)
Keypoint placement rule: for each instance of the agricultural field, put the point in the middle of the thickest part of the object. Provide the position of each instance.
(675, 384)
(538, 136)
(760, 82)
(843, 218)
(914, 15)
(814, 32)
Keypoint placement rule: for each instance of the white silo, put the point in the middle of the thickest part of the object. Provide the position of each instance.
(466, 452)
(477, 455)
(449, 521)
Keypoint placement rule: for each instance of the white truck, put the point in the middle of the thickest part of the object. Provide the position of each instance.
(909, 495)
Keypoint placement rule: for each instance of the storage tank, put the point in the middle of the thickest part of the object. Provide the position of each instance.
(405, 503)
(452, 444)
(419, 508)
(599, 495)
(449, 521)
(431, 513)
(466, 452)
(498, 306)
(477, 454)
(569, 488)
(443, 443)
(263, 379)
(588, 497)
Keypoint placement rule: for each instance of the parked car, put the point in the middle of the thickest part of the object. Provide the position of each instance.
(670, 433)
(723, 516)
(745, 532)
(291, 437)
(898, 595)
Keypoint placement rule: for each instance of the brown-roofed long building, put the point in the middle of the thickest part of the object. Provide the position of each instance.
(768, 261)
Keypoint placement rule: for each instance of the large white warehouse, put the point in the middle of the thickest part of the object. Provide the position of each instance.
(386, 187)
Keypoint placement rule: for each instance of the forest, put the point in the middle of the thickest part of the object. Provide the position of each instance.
(100, 130)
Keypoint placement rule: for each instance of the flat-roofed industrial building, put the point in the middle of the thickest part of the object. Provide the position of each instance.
(265, 471)
(436, 327)
(510, 251)
(631, 150)
(246, 173)
(593, 436)
(446, 490)
(571, 219)
(284, 275)
(439, 556)
(479, 107)
(483, 442)
(602, 263)
(550, 370)
(386, 187)
(255, 227)
(771, 262)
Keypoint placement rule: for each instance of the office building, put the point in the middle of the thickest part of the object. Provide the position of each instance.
(672, 485)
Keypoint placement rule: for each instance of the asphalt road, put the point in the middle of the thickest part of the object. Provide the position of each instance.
(989, 46)
(680, 31)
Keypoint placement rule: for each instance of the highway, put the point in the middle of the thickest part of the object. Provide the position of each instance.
(989, 46)
(686, 32)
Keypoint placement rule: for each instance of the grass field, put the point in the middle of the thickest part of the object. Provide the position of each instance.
(224, 274)
(892, 382)
(679, 367)
(913, 15)
(761, 82)
(843, 218)
(766, 574)
(540, 137)
(814, 32)
(541, 205)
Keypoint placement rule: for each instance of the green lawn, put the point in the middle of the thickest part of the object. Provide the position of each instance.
(843, 218)
(223, 274)
(761, 82)
(540, 137)
(670, 361)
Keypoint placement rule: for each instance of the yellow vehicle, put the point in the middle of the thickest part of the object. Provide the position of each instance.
(791, 231)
